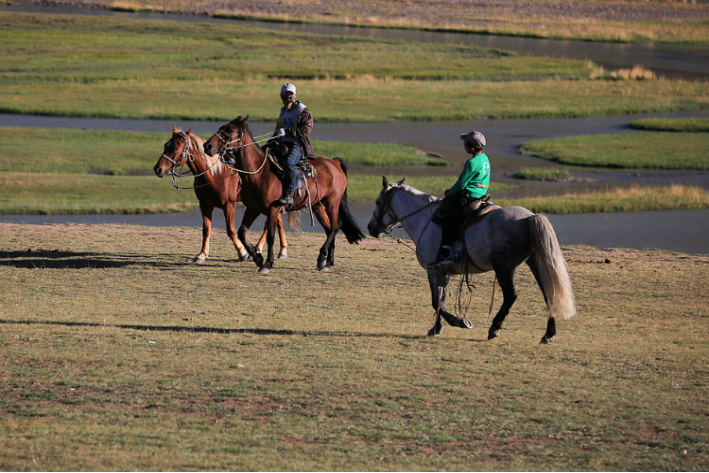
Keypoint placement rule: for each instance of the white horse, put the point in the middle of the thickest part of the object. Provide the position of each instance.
(501, 241)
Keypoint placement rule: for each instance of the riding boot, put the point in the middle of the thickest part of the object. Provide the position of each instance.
(443, 258)
(286, 198)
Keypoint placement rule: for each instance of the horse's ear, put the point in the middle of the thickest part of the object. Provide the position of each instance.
(245, 120)
(385, 182)
(174, 129)
(237, 119)
(402, 182)
(189, 132)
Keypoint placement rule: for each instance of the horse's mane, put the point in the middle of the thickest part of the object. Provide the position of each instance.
(215, 162)
(422, 196)
(251, 134)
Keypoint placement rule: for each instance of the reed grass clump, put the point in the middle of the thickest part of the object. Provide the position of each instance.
(691, 125)
(542, 174)
(635, 198)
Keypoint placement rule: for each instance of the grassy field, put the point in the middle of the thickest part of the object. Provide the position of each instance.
(527, 20)
(691, 125)
(541, 174)
(652, 150)
(118, 354)
(64, 65)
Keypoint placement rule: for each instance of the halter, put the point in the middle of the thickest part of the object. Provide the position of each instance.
(186, 152)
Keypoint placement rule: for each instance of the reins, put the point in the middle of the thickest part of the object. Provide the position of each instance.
(187, 152)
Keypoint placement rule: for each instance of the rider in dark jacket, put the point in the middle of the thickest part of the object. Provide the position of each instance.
(294, 126)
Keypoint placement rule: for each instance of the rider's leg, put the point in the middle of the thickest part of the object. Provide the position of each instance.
(454, 205)
(289, 176)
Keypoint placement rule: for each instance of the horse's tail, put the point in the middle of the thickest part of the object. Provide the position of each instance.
(553, 274)
(294, 220)
(347, 220)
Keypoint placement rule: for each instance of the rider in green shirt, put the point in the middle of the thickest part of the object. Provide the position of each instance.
(472, 185)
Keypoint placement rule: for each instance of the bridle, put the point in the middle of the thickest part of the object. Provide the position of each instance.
(186, 154)
(386, 209)
(225, 141)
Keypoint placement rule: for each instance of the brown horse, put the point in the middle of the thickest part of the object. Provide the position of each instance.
(215, 186)
(327, 192)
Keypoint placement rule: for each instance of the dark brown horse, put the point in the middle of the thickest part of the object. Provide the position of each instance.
(261, 188)
(215, 185)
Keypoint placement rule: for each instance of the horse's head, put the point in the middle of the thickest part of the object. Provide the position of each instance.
(383, 219)
(175, 153)
(228, 137)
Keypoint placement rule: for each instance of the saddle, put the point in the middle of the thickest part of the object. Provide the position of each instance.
(276, 153)
(471, 214)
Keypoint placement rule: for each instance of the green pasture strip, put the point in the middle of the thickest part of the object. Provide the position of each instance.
(542, 174)
(352, 100)
(76, 194)
(117, 152)
(55, 194)
(119, 354)
(693, 125)
(652, 150)
(363, 188)
(617, 200)
(85, 49)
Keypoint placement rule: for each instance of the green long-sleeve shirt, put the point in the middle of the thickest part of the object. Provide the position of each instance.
(474, 180)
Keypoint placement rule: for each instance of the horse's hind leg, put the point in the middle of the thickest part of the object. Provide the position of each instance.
(439, 284)
(247, 220)
(327, 251)
(509, 293)
(551, 322)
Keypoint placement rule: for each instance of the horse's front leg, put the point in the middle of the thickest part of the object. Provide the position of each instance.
(206, 232)
(229, 217)
(283, 254)
(271, 224)
(249, 217)
(438, 282)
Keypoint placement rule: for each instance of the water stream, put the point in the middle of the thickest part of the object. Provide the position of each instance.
(684, 231)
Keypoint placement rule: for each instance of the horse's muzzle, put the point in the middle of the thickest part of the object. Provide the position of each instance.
(208, 149)
(159, 171)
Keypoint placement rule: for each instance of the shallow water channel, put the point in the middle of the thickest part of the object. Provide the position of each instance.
(685, 231)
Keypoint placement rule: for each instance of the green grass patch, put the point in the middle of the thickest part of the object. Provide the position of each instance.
(117, 152)
(74, 65)
(692, 125)
(119, 354)
(542, 174)
(660, 151)
(78, 48)
(617, 200)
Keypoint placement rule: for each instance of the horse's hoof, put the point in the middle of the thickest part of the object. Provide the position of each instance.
(466, 324)
(282, 255)
(243, 257)
(258, 259)
(433, 333)
(264, 270)
(324, 269)
(493, 334)
(198, 260)
(545, 341)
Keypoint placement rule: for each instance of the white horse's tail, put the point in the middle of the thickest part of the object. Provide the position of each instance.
(553, 274)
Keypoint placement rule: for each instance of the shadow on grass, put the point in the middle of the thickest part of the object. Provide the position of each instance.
(53, 259)
(226, 331)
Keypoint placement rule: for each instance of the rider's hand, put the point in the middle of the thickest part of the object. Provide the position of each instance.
(280, 132)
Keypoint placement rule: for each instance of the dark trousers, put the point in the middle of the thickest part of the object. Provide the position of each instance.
(294, 154)
(454, 205)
